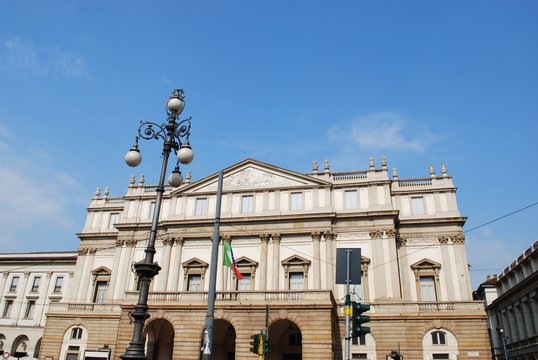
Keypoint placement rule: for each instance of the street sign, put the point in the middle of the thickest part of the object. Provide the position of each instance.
(354, 265)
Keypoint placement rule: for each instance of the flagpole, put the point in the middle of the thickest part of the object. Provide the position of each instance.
(207, 347)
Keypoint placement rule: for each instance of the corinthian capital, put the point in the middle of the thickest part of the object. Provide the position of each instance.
(329, 235)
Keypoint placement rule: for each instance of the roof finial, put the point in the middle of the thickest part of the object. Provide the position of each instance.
(443, 170)
(142, 180)
(107, 192)
(315, 167)
(394, 173)
(188, 177)
(383, 163)
(132, 181)
(97, 192)
(326, 166)
(432, 171)
(371, 163)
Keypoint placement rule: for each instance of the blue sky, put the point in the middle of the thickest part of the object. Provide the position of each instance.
(419, 82)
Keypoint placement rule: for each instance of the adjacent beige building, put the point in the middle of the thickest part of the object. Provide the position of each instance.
(284, 228)
(29, 283)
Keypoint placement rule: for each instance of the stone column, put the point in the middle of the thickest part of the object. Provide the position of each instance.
(316, 236)
(527, 316)
(3, 280)
(165, 266)
(129, 254)
(520, 320)
(514, 335)
(264, 239)
(331, 263)
(176, 267)
(116, 277)
(276, 260)
(83, 275)
(533, 298)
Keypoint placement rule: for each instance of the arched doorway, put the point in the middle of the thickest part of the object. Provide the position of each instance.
(286, 341)
(20, 345)
(223, 340)
(159, 340)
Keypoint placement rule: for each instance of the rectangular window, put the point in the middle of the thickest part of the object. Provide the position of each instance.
(247, 204)
(297, 281)
(244, 284)
(351, 199)
(30, 307)
(440, 356)
(427, 288)
(35, 284)
(296, 200)
(201, 207)
(195, 282)
(58, 284)
(7, 308)
(72, 352)
(417, 205)
(113, 220)
(359, 356)
(100, 290)
(14, 283)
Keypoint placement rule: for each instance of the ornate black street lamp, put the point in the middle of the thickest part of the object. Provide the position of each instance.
(175, 135)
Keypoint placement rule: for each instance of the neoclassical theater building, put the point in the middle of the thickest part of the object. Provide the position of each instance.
(285, 228)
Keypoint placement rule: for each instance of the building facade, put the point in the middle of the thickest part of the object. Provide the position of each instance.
(513, 315)
(285, 229)
(29, 283)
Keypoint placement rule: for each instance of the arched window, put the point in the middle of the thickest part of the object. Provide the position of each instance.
(438, 338)
(74, 343)
(76, 333)
(440, 344)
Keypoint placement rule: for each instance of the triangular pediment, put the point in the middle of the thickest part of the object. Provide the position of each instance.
(252, 175)
(425, 264)
(102, 270)
(295, 260)
(195, 263)
(244, 261)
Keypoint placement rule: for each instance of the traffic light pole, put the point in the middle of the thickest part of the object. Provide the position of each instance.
(207, 347)
(347, 308)
(260, 346)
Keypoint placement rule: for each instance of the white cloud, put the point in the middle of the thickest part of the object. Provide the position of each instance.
(34, 199)
(380, 131)
(23, 58)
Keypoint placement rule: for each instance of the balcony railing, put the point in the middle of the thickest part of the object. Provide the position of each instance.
(239, 297)
(284, 297)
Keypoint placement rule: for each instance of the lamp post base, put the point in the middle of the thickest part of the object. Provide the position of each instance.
(135, 351)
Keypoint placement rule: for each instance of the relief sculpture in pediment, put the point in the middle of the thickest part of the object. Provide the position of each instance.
(252, 178)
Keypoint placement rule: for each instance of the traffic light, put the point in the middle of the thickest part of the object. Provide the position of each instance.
(266, 347)
(358, 319)
(255, 344)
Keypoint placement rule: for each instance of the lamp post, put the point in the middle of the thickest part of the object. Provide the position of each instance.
(503, 339)
(175, 135)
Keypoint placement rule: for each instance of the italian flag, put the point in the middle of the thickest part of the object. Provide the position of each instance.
(230, 261)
